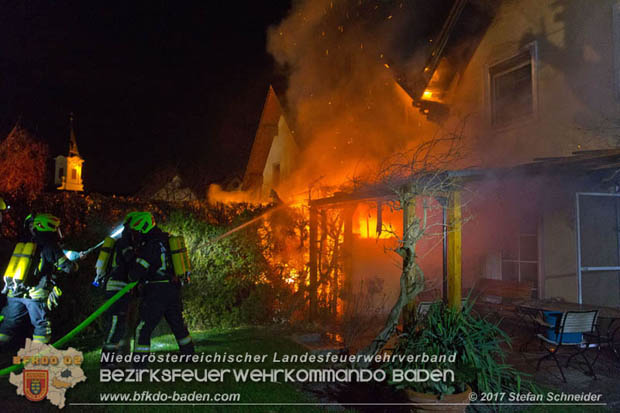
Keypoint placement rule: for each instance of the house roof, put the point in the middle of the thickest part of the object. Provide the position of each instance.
(168, 179)
(266, 131)
(580, 161)
(453, 44)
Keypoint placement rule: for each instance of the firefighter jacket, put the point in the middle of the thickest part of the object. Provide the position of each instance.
(52, 262)
(123, 257)
(152, 261)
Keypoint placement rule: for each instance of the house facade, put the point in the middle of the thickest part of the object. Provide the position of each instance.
(541, 92)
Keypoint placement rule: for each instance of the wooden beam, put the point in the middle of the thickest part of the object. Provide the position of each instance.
(454, 250)
(347, 251)
(313, 267)
(408, 217)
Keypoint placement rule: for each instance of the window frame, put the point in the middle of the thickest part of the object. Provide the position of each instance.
(532, 50)
(519, 259)
(615, 16)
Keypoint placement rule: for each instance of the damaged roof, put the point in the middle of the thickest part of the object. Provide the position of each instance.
(578, 163)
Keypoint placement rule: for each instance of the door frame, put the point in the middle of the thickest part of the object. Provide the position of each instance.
(580, 268)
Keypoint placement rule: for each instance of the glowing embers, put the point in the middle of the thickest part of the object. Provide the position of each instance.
(283, 237)
(335, 337)
(294, 277)
(439, 83)
(372, 221)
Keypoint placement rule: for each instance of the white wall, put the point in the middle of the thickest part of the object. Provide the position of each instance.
(284, 151)
(574, 71)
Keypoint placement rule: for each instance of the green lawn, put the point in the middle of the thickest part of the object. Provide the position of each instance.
(252, 340)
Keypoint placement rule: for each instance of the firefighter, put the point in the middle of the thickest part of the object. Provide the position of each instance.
(34, 294)
(3, 207)
(161, 288)
(116, 317)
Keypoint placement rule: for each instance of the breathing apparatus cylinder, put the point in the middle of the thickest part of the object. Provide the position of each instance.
(18, 270)
(180, 258)
(102, 267)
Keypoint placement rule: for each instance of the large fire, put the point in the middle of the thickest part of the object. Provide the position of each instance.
(368, 226)
(347, 113)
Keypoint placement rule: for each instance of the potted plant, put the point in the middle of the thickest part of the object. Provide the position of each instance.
(472, 350)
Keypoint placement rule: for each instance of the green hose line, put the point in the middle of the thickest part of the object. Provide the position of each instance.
(80, 326)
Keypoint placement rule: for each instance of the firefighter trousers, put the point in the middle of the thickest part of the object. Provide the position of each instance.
(116, 323)
(162, 299)
(19, 311)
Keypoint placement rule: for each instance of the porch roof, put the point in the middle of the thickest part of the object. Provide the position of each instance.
(578, 163)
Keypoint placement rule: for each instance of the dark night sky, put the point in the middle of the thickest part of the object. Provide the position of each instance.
(151, 83)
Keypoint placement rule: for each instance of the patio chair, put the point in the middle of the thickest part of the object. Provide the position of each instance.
(578, 322)
(606, 335)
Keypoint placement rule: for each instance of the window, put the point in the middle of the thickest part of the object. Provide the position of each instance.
(74, 174)
(512, 88)
(520, 259)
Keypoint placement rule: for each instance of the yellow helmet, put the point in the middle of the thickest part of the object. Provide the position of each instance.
(3, 205)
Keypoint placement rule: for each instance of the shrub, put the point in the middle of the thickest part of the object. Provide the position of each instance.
(229, 281)
(475, 341)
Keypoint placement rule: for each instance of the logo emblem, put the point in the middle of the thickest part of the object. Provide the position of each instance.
(36, 384)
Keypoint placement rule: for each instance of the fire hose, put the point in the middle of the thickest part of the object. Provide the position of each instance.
(72, 255)
(80, 326)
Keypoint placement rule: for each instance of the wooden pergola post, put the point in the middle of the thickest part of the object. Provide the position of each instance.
(347, 251)
(313, 266)
(454, 259)
(408, 217)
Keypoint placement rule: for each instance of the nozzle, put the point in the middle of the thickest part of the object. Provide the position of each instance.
(118, 231)
(71, 255)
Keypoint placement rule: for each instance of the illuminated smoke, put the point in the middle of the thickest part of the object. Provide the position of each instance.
(348, 110)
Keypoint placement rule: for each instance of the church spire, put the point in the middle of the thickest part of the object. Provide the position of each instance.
(73, 149)
(68, 170)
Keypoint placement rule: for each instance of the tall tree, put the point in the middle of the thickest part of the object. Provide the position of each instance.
(23, 162)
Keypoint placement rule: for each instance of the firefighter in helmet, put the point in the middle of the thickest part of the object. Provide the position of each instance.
(123, 256)
(32, 292)
(3, 207)
(161, 288)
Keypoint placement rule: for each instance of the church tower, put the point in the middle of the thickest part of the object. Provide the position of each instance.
(68, 171)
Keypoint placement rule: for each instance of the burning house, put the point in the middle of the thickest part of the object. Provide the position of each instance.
(530, 88)
(274, 150)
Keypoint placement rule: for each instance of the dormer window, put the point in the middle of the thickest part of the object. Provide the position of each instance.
(513, 88)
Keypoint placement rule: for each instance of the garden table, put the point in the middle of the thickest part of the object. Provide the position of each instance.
(547, 305)
(610, 315)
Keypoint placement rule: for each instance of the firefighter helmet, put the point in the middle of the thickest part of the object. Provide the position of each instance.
(142, 222)
(130, 215)
(28, 221)
(45, 222)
